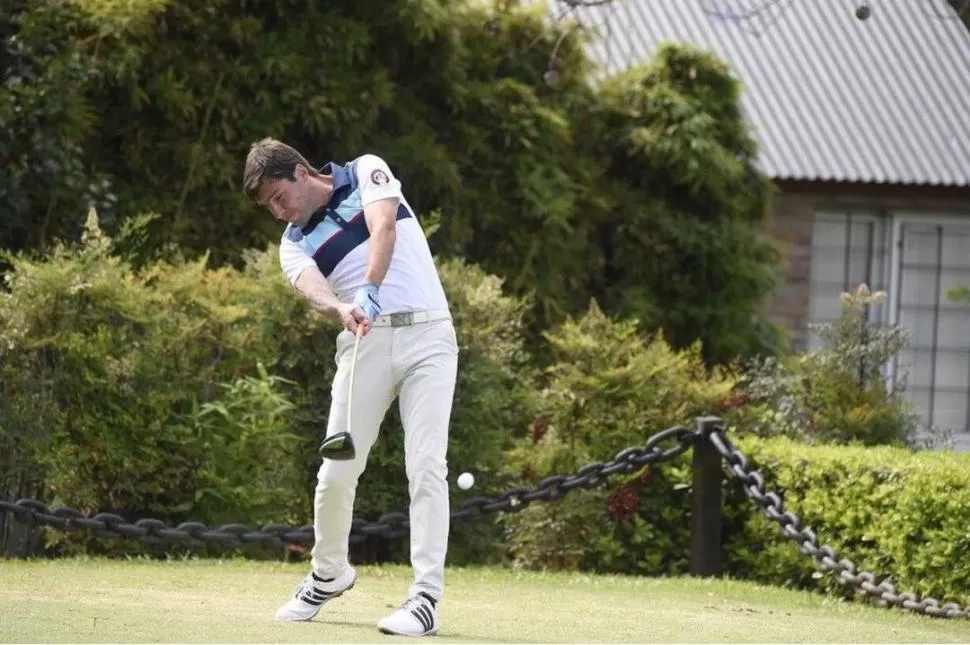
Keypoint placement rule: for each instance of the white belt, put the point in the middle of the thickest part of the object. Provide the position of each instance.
(405, 318)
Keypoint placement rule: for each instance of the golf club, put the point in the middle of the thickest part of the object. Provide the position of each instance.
(340, 446)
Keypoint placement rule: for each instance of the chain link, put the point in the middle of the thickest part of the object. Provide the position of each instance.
(825, 558)
(389, 526)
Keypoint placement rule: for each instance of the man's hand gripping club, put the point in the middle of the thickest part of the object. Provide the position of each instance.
(362, 312)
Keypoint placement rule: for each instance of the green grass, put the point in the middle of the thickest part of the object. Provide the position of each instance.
(86, 600)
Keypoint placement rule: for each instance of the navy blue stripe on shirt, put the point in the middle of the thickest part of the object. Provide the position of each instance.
(335, 249)
(331, 252)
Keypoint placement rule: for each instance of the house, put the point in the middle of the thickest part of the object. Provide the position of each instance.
(864, 127)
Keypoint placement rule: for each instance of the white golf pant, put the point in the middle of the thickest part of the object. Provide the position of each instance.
(417, 363)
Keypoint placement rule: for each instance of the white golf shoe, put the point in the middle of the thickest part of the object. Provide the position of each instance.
(416, 617)
(312, 593)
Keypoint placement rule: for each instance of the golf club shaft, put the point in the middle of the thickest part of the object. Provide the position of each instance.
(353, 370)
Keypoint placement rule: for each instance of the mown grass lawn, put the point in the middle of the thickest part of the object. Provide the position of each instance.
(91, 600)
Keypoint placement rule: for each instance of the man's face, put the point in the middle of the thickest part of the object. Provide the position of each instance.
(287, 200)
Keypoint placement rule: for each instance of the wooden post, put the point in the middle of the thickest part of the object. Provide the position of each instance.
(705, 538)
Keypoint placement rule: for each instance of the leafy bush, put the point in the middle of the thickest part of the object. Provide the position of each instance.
(897, 513)
(638, 524)
(605, 390)
(44, 122)
(608, 389)
(246, 440)
(688, 254)
(183, 392)
(115, 381)
(835, 394)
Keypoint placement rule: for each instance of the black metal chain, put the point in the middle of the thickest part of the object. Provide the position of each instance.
(388, 526)
(556, 487)
(844, 570)
(394, 525)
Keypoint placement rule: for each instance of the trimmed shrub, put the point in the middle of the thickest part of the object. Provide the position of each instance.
(897, 513)
(892, 510)
(123, 388)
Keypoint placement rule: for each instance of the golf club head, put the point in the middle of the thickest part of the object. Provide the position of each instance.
(339, 447)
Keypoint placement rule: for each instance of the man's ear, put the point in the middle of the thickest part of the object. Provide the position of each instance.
(300, 172)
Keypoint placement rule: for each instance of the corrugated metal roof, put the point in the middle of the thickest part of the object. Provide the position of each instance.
(830, 97)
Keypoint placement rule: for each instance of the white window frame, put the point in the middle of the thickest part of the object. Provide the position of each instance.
(882, 218)
(899, 217)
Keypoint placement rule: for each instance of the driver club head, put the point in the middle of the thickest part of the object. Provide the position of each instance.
(338, 447)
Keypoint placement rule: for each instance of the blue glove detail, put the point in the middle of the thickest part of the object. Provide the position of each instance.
(366, 300)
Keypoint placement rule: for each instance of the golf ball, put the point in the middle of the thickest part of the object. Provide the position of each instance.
(465, 481)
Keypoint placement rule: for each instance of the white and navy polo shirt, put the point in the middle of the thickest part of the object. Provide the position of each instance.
(336, 241)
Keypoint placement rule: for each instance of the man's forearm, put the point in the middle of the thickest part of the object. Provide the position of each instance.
(382, 240)
(381, 219)
(315, 289)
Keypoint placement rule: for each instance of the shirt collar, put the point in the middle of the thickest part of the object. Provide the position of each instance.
(341, 178)
(340, 175)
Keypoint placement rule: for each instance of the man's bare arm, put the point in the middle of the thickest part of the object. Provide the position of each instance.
(315, 288)
(381, 218)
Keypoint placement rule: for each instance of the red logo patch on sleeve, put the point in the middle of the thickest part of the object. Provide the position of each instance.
(379, 177)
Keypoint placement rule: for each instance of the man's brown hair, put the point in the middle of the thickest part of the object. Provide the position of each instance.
(270, 159)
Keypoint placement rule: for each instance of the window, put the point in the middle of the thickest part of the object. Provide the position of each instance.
(848, 248)
(916, 259)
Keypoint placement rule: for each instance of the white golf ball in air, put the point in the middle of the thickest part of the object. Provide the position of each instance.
(465, 481)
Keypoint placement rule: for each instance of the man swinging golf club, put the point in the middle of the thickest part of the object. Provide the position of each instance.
(353, 247)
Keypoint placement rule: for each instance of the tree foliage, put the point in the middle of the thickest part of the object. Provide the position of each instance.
(639, 192)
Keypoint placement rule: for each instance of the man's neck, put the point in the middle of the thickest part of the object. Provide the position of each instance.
(321, 190)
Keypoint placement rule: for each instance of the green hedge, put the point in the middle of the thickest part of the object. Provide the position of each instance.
(183, 392)
(892, 511)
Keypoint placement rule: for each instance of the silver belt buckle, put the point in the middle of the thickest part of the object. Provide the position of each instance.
(402, 319)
